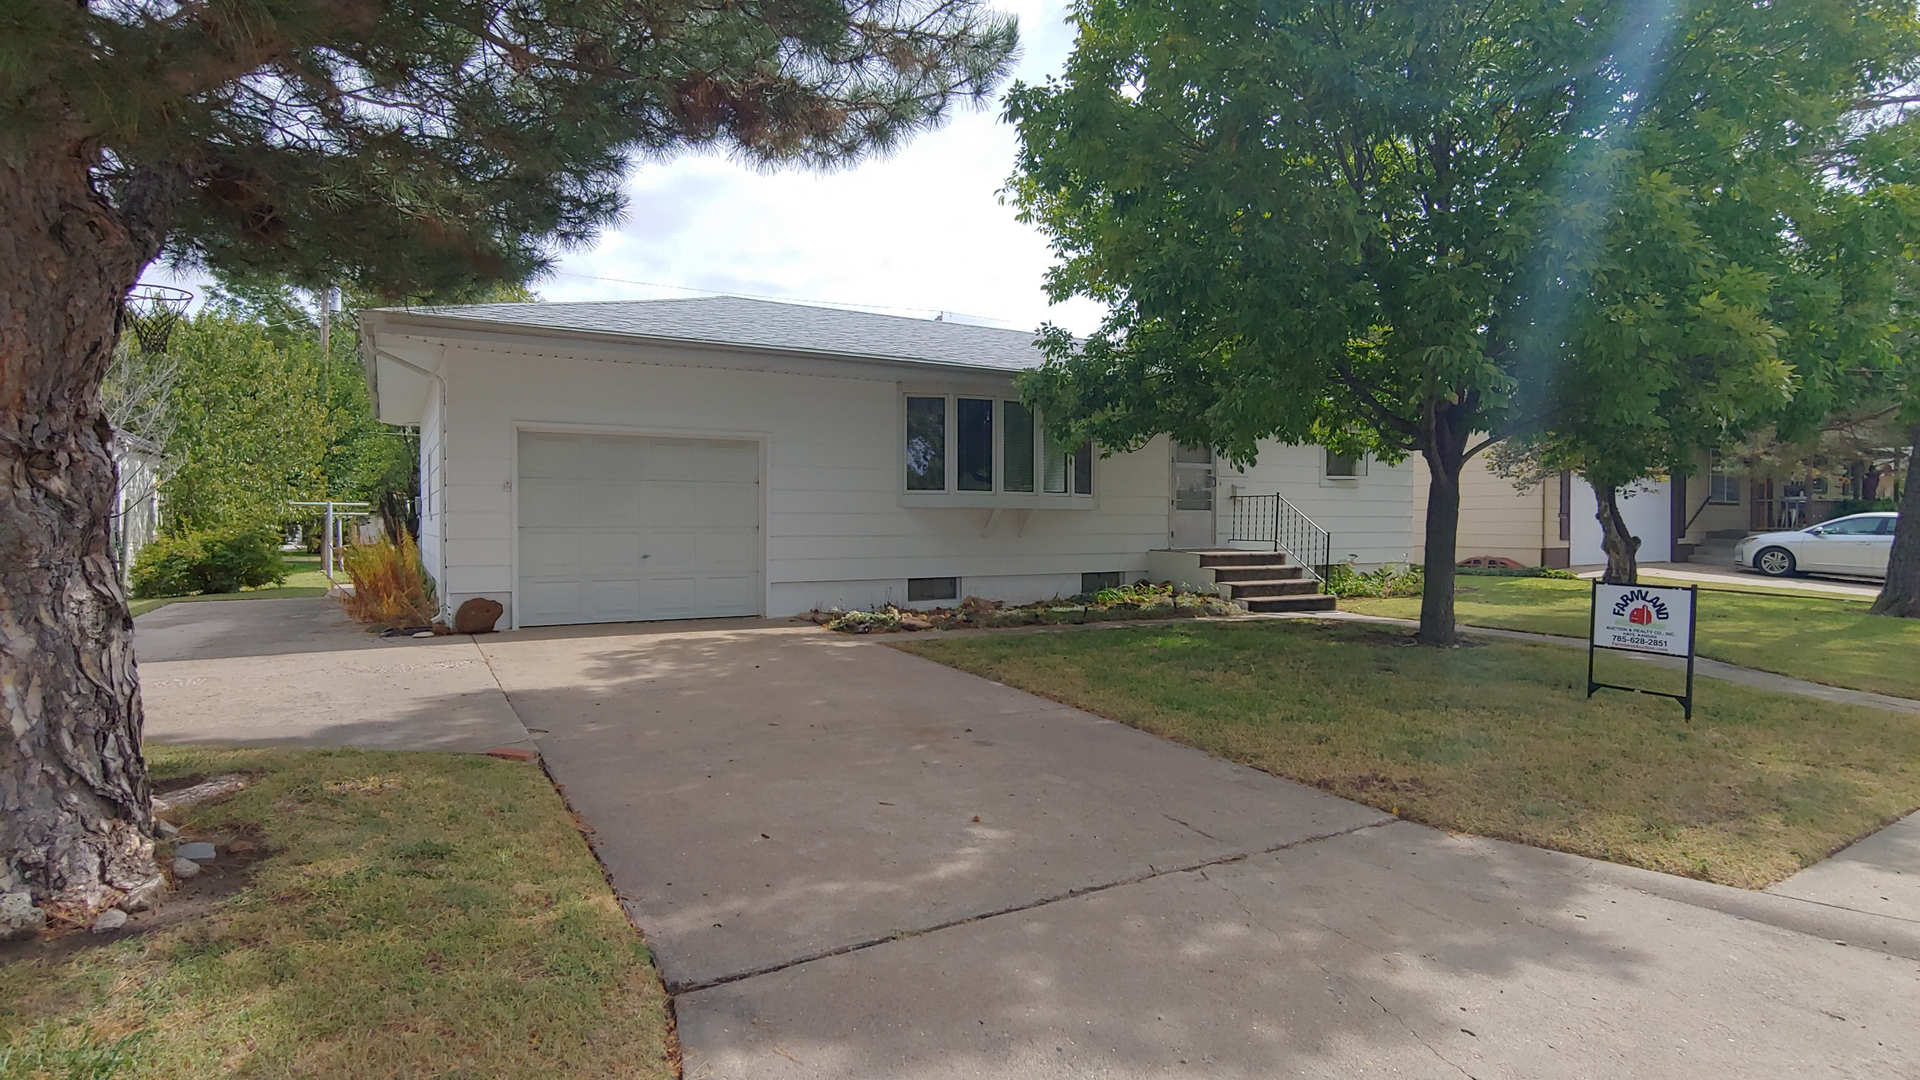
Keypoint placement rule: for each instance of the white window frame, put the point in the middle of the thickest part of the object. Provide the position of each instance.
(1717, 473)
(950, 494)
(1329, 477)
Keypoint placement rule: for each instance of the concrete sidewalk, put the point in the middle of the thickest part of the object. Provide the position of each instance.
(1879, 873)
(1394, 951)
(300, 673)
(1708, 575)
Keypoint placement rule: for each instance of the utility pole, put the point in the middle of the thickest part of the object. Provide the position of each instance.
(326, 353)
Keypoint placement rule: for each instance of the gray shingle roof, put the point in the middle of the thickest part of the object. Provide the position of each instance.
(764, 324)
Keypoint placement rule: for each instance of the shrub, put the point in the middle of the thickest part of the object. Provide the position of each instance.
(1516, 571)
(390, 586)
(1862, 506)
(866, 622)
(213, 561)
(1385, 581)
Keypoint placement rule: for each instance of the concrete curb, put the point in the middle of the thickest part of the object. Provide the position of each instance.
(1842, 926)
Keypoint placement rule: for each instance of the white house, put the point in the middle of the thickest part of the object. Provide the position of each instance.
(606, 462)
(136, 498)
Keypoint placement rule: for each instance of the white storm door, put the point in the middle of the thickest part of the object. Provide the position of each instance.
(1192, 525)
(618, 528)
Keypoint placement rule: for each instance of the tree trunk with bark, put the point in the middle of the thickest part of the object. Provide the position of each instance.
(75, 810)
(1616, 540)
(1445, 452)
(1900, 596)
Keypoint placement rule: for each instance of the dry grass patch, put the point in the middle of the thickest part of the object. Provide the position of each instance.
(390, 584)
(1496, 740)
(403, 915)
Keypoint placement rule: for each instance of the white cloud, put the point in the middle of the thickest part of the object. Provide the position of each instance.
(923, 230)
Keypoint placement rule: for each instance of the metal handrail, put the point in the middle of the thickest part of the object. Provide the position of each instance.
(1263, 519)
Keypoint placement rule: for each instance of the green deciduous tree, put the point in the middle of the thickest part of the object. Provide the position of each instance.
(1394, 226)
(398, 146)
(253, 433)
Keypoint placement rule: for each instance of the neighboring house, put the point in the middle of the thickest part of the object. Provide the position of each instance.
(599, 462)
(136, 498)
(1700, 515)
(1551, 523)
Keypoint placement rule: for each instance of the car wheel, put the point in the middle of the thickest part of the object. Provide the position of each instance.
(1774, 562)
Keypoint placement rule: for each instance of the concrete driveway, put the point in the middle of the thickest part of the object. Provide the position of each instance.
(851, 862)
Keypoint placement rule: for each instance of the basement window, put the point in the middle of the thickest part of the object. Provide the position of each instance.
(1105, 579)
(932, 588)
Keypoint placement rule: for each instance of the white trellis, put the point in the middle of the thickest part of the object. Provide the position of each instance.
(334, 538)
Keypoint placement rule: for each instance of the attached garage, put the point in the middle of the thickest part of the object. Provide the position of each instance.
(623, 528)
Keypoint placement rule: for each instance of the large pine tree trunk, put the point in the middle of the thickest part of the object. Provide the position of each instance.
(1616, 540)
(1900, 596)
(75, 814)
(1445, 454)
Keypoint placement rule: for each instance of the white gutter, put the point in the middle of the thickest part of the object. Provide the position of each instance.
(441, 538)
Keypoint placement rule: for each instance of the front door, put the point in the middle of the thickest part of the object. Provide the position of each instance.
(1192, 526)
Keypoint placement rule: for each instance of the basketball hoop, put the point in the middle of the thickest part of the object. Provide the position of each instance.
(151, 310)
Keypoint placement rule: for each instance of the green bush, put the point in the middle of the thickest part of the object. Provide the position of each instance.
(1385, 581)
(1864, 506)
(215, 561)
(1516, 571)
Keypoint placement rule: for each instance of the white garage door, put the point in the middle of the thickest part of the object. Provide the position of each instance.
(617, 529)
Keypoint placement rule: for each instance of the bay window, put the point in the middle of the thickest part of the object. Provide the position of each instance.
(975, 431)
(926, 444)
(979, 446)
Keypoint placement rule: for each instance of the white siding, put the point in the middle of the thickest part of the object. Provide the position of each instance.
(433, 493)
(1369, 520)
(1496, 518)
(1648, 512)
(835, 532)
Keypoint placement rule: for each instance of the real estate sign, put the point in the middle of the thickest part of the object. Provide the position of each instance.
(1643, 619)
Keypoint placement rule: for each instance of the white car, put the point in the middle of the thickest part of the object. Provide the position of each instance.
(1858, 544)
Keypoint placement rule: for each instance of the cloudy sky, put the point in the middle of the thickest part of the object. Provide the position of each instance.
(920, 232)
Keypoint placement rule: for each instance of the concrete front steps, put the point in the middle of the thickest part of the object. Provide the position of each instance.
(1264, 581)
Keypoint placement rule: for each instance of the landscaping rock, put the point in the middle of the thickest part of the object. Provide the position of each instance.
(109, 920)
(18, 916)
(240, 846)
(914, 622)
(198, 793)
(425, 633)
(142, 896)
(184, 868)
(198, 850)
(477, 616)
(164, 829)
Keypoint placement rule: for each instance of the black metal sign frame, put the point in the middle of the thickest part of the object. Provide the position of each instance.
(1693, 622)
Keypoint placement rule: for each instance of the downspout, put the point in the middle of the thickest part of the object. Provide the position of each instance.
(440, 540)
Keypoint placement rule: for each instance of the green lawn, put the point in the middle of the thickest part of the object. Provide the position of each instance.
(1825, 640)
(412, 915)
(1497, 739)
(306, 580)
